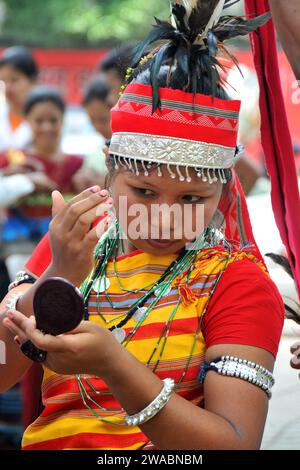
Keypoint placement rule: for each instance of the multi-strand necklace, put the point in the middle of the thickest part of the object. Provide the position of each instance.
(153, 292)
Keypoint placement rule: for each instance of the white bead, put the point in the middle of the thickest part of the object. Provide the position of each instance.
(119, 334)
(100, 285)
(140, 314)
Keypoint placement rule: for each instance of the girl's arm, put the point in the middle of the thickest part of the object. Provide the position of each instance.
(72, 242)
(235, 410)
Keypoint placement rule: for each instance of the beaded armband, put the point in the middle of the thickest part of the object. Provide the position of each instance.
(241, 368)
(22, 277)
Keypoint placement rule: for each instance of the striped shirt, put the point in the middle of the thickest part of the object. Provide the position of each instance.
(65, 422)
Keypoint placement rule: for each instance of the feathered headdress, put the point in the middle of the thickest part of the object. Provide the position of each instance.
(176, 125)
(192, 40)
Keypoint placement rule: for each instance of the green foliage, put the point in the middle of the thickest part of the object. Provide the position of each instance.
(77, 23)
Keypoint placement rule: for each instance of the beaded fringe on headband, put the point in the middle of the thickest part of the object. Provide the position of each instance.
(175, 171)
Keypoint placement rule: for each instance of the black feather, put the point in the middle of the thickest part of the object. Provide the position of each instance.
(281, 261)
(291, 314)
(175, 46)
(231, 26)
(182, 61)
(162, 30)
(228, 5)
(212, 42)
(179, 12)
(201, 15)
(154, 72)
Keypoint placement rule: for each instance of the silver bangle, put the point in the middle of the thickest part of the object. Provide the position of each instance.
(155, 406)
(12, 301)
(241, 368)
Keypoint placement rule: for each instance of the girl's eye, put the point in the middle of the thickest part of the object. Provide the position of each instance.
(190, 198)
(144, 192)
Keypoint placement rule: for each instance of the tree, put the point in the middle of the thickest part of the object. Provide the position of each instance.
(76, 23)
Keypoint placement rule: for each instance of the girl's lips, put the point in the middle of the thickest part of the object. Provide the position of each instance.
(160, 243)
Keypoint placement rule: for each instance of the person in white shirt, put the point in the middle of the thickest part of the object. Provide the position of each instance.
(18, 75)
(14, 187)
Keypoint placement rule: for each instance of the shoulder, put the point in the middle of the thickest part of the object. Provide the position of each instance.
(248, 275)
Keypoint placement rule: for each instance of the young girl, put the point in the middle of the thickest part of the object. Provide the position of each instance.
(181, 330)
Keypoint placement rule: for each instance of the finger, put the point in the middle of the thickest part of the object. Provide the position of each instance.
(94, 235)
(83, 195)
(84, 222)
(58, 203)
(78, 209)
(15, 331)
(25, 329)
(18, 323)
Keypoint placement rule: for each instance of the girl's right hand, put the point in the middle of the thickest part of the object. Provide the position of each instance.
(72, 237)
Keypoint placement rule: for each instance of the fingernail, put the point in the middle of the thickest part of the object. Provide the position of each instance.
(16, 339)
(104, 192)
(100, 194)
(94, 189)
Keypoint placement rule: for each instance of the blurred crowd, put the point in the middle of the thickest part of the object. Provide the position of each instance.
(32, 160)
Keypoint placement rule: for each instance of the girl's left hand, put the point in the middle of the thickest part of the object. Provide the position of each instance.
(89, 349)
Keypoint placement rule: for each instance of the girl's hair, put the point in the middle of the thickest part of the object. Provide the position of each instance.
(183, 54)
(21, 59)
(44, 94)
(97, 89)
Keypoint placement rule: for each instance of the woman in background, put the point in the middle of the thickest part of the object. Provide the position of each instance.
(18, 73)
(30, 217)
(97, 106)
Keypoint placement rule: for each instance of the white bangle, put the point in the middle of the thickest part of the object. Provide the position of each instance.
(12, 301)
(155, 406)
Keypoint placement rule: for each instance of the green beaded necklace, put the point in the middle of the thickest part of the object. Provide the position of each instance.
(106, 248)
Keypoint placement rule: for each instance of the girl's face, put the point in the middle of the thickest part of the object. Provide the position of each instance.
(99, 114)
(17, 85)
(45, 120)
(137, 201)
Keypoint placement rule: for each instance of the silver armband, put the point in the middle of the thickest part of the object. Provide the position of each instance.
(22, 277)
(241, 368)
